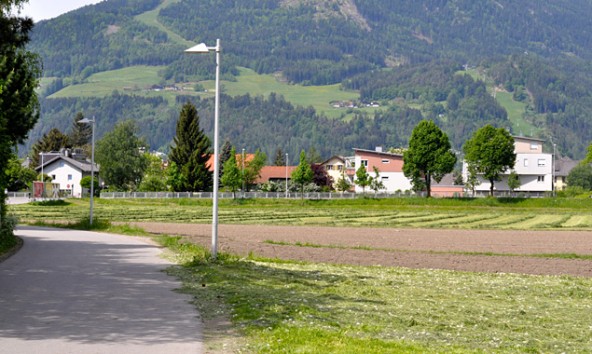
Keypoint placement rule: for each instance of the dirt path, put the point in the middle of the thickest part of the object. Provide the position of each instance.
(414, 248)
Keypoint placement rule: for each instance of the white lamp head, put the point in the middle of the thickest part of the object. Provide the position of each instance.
(198, 49)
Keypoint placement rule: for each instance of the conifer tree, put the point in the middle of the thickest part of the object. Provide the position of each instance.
(80, 133)
(224, 156)
(191, 152)
(280, 158)
(54, 140)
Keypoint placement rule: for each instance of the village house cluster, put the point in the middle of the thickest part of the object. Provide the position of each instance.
(539, 172)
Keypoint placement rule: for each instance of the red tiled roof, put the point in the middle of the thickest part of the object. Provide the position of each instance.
(248, 158)
(274, 172)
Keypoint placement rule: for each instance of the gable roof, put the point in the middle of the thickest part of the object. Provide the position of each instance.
(83, 166)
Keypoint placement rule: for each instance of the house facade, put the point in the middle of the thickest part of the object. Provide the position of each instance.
(533, 166)
(338, 167)
(390, 169)
(66, 170)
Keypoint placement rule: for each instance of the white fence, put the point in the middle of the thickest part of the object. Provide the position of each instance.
(245, 195)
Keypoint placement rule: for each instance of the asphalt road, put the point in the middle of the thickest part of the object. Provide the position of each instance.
(86, 292)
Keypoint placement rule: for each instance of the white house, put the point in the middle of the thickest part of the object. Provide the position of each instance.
(338, 167)
(66, 169)
(533, 166)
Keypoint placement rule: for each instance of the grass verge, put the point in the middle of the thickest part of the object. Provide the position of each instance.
(298, 307)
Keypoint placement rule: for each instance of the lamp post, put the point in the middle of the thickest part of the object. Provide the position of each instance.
(92, 164)
(42, 177)
(202, 48)
(286, 175)
(553, 186)
(243, 172)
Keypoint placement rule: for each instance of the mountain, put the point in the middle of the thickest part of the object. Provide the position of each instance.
(411, 56)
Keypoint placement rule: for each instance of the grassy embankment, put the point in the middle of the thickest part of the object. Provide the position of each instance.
(278, 306)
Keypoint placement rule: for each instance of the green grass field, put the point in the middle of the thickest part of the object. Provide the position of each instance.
(137, 79)
(294, 307)
(516, 214)
(150, 18)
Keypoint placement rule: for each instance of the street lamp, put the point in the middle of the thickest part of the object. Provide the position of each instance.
(92, 164)
(42, 177)
(243, 172)
(286, 175)
(553, 186)
(204, 49)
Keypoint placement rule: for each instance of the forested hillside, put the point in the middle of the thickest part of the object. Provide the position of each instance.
(409, 55)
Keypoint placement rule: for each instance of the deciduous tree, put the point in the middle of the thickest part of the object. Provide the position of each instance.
(581, 176)
(253, 168)
(302, 175)
(429, 156)
(363, 179)
(376, 182)
(18, 177)
(490, 152)
(232, 177)
(118, 153)
(513, 181)
(154, 179)
(19, 108)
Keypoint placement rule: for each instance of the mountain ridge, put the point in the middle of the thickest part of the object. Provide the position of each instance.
(313, 42)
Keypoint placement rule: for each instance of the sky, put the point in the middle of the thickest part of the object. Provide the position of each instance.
(46, 9)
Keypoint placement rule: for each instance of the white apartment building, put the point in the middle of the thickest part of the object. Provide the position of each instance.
(533, 166)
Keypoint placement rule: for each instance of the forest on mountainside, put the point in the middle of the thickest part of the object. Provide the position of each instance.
(405, 53)
(265, 123)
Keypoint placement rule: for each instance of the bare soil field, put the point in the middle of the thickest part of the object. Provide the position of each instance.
(464, 250)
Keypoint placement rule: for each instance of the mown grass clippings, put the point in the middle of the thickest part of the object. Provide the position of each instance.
(490, 213)
(300, 307)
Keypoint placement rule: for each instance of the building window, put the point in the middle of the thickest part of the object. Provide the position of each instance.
(53, 177)
(329, 167)
(525, 162)
(365, 163)
(542, 162)
(534, 146)
(339, 167)
(541, 179)
(69, 177)
(386, 161)
(385, 178)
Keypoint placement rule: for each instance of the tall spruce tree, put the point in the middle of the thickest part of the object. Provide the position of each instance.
(191, 152)
(280, 158)
(224, 156)
(80, 133)
(54, 140)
